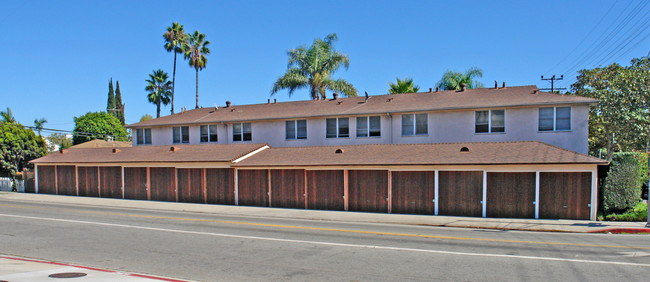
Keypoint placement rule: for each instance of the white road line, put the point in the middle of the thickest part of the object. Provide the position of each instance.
(327, 243)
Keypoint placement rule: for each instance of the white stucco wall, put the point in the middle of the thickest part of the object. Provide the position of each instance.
(521, 124)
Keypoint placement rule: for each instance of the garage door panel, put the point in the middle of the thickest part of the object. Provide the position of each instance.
(460, 193)
(511, 194)
(413, 192)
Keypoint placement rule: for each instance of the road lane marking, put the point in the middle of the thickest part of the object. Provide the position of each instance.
(326, 243)
(338, 230)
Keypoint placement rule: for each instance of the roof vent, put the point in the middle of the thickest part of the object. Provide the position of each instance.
(463, 86)
(389, 99)
(504, 85)
(173, 149)
(339, 102)
(63, 151)
(464, 150)
(228, 104)
(430, 90)
(115, 150)
(268, 101)
(437, 89)
(496, 84)
(339, 151)
(335, 95)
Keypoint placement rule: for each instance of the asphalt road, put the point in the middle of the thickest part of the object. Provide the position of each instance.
(210, 247)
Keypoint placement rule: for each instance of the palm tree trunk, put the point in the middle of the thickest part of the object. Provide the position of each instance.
(197, 88)
(174, 81)
(158, 109)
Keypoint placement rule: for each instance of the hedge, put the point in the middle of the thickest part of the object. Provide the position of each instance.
(627, 173)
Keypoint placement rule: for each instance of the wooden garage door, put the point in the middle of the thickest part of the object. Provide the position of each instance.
(511, 194)
(110, 181)
(135, 183)
(368, 190)
(88, 181)
(46, 179)
(564, 195)
(460, 193)
(66, 180)
(288, 188)
(253, 187)
(190, 185)
(163, 182)
(220, 186)
(325, 190)
(413, 192)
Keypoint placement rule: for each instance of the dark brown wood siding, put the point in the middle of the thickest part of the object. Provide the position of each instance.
(46, 179)
(288, 188)
(30, 185)
(564, 195)
(368, 190)
(460, 193)
(510, 194)
(253, 187)
(190, 185)
(220, 186)
(88, 181)
(111, 181)
(325, 190)
(66, 180)
(135, 183)
(163, 183)
(413, 192)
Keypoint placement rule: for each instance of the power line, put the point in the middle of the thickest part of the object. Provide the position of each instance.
(553, 79)
(78, 133)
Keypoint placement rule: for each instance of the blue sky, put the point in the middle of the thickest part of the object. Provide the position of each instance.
(58, 56)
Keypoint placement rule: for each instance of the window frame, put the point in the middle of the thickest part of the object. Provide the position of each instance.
(243, 132)
(415, 124)
(209, 135)
(368, 129)
(555, 119)
(338, 128)
(181, 135)
(489, 123)
(296, 134)
(141, 136)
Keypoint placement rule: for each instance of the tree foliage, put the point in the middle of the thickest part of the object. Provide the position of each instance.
(38, 124)
(158, 89)
(58, 141)
(621, 119)
(405, 85)
(18, 146)
(7, 116)
(110, 105)
(196, 48)
(312, 67)
(175, 40)
(146, 117)
(98, 125)
(119, 113)
(622, 188)
(451, 80)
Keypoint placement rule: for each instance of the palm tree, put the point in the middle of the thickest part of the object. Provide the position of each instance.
(312, 67)
(38, 124)
(405, 85)
(158, 88)
(175, 39)
(451, 80)
(195, 50)
(7, 116)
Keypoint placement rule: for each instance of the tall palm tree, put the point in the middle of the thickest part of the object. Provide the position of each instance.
(312, 67)
(195, 50)
(38, 124)
(7, 116)
(158, 89)
(175, 38)
(405, 85)
(451, 80)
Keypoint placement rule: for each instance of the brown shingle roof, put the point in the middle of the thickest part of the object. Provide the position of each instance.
(488, 153)
(97, 143)
(184, 153)
(413, 102)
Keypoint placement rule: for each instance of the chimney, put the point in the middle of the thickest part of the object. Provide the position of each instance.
(430, 90)
(227, 104)
(463, 86)
(336, 95)
(437, 89)
(275, 101)
(268, 101)
(504, 85)
(496, 84)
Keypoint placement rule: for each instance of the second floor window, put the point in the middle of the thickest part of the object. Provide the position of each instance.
(368, 126)
(490, 121)
(415, 124)
(337, 128)
(181, 134)
(242, 132)
(296, 129)
(143, 136)
(554, 119)
(209, 133)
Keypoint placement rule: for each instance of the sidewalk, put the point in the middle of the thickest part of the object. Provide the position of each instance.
(580, 226)
(17, 269)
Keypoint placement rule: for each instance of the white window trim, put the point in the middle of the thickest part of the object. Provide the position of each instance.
(337, 128)
(555, 120)
(367, 127)
(415, 125)
(295, 126)
(490, 121)
(242, 132)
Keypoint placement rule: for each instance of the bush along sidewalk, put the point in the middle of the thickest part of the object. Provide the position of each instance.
(638, 213)
(622, 188)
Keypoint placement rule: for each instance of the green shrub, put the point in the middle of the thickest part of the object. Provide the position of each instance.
(622, 188)
(638, 213)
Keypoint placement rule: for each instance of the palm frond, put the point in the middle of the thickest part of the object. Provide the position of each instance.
(342, 86)
(292, 80)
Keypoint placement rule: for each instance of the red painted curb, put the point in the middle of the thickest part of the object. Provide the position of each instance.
(622, 230)
(95, 269)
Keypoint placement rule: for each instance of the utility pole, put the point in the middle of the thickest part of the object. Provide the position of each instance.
(553, 79)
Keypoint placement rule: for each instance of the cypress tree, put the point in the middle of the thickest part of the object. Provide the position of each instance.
(110, 106)
(118, 103)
